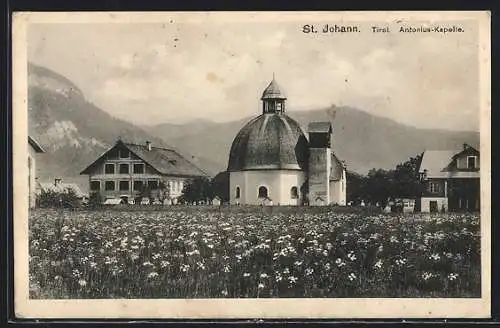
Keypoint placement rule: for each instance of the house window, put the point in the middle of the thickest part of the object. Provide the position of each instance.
(153, 184)
(294, 193)
(109, 168)
(138, 185)
(471, 162)
(109, 185)
(124, 153)
(262, 192)
(124, 168)
(124, 185)
(433, 187)
(139, 168)
(237, 192)
(95, 185)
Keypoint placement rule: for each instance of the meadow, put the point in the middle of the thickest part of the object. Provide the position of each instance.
(179, 252)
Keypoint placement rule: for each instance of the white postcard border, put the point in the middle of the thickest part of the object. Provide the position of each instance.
(237, 308)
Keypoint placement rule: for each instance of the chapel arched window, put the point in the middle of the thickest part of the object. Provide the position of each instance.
(263, 192)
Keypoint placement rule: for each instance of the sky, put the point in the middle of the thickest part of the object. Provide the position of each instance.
(177, 71)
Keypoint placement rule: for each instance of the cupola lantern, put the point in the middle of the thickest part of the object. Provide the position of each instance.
(273, 99)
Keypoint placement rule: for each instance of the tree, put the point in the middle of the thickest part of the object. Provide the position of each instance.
(406, 178)
(164, 191)
(220, 185)
(355, 186)
(198, 189)
(145, 192)
(95, 199)
(379, 186)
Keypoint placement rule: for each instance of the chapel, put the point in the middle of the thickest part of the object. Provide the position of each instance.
(272, 162)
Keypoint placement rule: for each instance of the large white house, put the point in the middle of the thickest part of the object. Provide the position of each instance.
(272, 162)
(126, 170)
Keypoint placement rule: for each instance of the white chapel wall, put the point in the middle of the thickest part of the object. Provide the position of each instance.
(338, 192)
(278, 184)
(290, 179)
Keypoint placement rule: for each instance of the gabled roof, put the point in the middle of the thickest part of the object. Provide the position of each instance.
(467, 149)
(35, 145)
(165, 161)
(319, 127)
(436, 163)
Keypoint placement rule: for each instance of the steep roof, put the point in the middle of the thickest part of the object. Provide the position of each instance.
(436, 163)
(322, 127)
(165, 161)
(35, 145)
(273, 91)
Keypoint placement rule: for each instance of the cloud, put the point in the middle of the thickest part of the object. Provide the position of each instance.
(190, 71)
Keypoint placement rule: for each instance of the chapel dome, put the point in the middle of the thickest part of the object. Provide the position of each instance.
(269, 141)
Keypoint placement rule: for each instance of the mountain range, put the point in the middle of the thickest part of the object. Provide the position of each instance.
(74, 132)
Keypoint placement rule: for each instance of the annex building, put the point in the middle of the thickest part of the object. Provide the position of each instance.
(451, 180)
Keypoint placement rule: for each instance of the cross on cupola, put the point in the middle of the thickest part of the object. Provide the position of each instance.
(273, 100)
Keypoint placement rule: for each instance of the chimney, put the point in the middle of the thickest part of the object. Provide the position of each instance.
(57, 181)
(148, 144)
(465, 146)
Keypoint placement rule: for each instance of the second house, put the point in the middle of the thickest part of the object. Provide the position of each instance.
(129, 171)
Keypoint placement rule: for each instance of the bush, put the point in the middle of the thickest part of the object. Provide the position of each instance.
(65, 199)
(95, 200)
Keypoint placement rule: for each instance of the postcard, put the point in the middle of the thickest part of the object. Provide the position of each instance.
(251, 165)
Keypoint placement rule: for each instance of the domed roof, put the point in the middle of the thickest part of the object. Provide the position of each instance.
(270, 141)
(273, 91)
